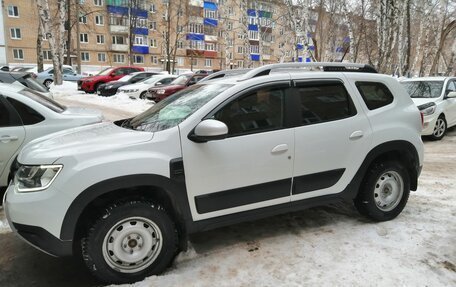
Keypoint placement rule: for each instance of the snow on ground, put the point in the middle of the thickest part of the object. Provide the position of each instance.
(121, 101)
(4, 227)
(332, 245)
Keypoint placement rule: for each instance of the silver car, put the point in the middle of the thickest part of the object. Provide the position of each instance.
(26, 115)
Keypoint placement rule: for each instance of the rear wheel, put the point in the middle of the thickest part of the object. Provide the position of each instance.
(439, 129)
(47, 83)
(95, 87)
(384, 191)
(142, 96)
(129, 242)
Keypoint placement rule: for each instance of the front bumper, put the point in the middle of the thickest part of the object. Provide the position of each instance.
(429, 124)
(36, 236)
(107, 92)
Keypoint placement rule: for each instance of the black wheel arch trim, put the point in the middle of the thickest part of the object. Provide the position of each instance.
(174, 189)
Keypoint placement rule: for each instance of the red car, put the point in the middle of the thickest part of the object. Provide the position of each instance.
(90, 84)
(180, 83)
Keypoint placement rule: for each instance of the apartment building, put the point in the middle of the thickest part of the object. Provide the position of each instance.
(180, 35)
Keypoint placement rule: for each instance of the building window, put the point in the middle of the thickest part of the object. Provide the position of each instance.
(230, 26)
(254, 49)
(180, 28)
(210, 47)
(180, 61)
(84, 38)
(240, 50)
(180, 45)
(100, 39)
(119, 58)
(152, 8)
(140, 40)
(208, 62)
(240, 64)
(118, 20)
(154, 59)
(85, 56)
(195, 28)
(15, 33)
(153, 25)
(253, 35)
(118, 40)
(194, 62)
(99, 20)
(101, 57)
(153, 43)
(47, 55)
(83, 19)
(138, 59)
(98, 2)
(13, 11)
(211, 14)
(18, 54)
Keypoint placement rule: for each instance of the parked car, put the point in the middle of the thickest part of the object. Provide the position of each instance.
(110, 88)
(214, 154)
(26, 115)
(159, 93)
(47, 76)
(90, 84)
(139, 90)
(436, 99)
(24, 79)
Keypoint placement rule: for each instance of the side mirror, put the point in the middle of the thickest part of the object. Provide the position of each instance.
(208, 130)
(451, 95)
(158, 83)
(112, 75)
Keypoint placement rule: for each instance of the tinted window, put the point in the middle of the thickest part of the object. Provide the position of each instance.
(423, 89)
(258, 111)
(4, 116)
(28, 115)
(375, 95)
(324, 102)
(451, 87)
(45, 101)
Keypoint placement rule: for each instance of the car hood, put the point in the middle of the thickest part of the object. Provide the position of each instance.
(94, 78)
(422, 101)
(115, 84)
(91, 139)
(135, 86)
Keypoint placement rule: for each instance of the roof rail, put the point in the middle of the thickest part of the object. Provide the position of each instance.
(327, 67)
(224, 74)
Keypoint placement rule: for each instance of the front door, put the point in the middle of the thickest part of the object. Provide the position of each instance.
(252, 167)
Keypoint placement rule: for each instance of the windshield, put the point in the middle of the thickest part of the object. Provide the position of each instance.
(45, 101)
(424, 89)
(173, 110)
(181, 80)
(125, 78)
(152, 79)
(105, 72)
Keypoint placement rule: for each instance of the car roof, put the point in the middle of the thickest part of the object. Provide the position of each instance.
(11, 88)
(426, 79)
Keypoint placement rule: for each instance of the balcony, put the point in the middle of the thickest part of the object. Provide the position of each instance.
(210, 38)
(118, 29)
(140, 49)
(119, 47)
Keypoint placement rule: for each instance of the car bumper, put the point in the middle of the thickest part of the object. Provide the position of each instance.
(34, 235)
(106, 92)
(86, 87)
(429, 124)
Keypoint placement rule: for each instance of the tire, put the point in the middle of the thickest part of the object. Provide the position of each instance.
(142, 96)
(119, 250)
(439, 129)
(47, 83)
(95, 87)
(384, 191)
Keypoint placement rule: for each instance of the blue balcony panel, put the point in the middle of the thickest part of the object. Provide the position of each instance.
(251, 12)
(253, 27)
(346, 39)
(140, 49)
(299, 46)
(195, 37)
(255, 57)
(312, 48)
(210, 6)
(308, 60)
(118, 10)
(210, 22)
(139, 12)
(141, 31)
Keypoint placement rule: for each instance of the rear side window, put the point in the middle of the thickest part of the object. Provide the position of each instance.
(375, 95)
(28, 115)
(323, 102)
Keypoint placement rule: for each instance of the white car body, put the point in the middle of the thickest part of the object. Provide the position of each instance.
(444, 106)
(216, 182)
(135, 91)
(16, 136)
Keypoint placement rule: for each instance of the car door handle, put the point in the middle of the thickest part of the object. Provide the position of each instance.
(281, 148)
(6, 139)
(356, 135)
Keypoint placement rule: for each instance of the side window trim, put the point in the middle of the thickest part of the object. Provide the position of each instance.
(365, 100)
(286, 85)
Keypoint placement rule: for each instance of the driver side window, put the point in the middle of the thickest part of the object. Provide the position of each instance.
(257, 111)
(451, 87)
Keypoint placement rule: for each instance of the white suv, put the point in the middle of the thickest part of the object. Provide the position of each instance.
(125, 195)
(436, 99)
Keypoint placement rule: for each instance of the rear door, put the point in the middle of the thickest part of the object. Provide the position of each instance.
(450, 104)
(331, 138)
(12, 134)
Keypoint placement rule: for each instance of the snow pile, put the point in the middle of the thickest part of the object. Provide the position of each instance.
(69, 91)
(4, 227)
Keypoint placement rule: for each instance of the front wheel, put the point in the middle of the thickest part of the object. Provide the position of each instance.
(142, 96)
(47, 83)
(129, 242)
(439, 129)
(384, 191)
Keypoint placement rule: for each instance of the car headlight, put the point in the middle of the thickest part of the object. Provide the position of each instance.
(108, 87)
(160, 92)
(35, 177)
(427, 109)
(88, 81)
